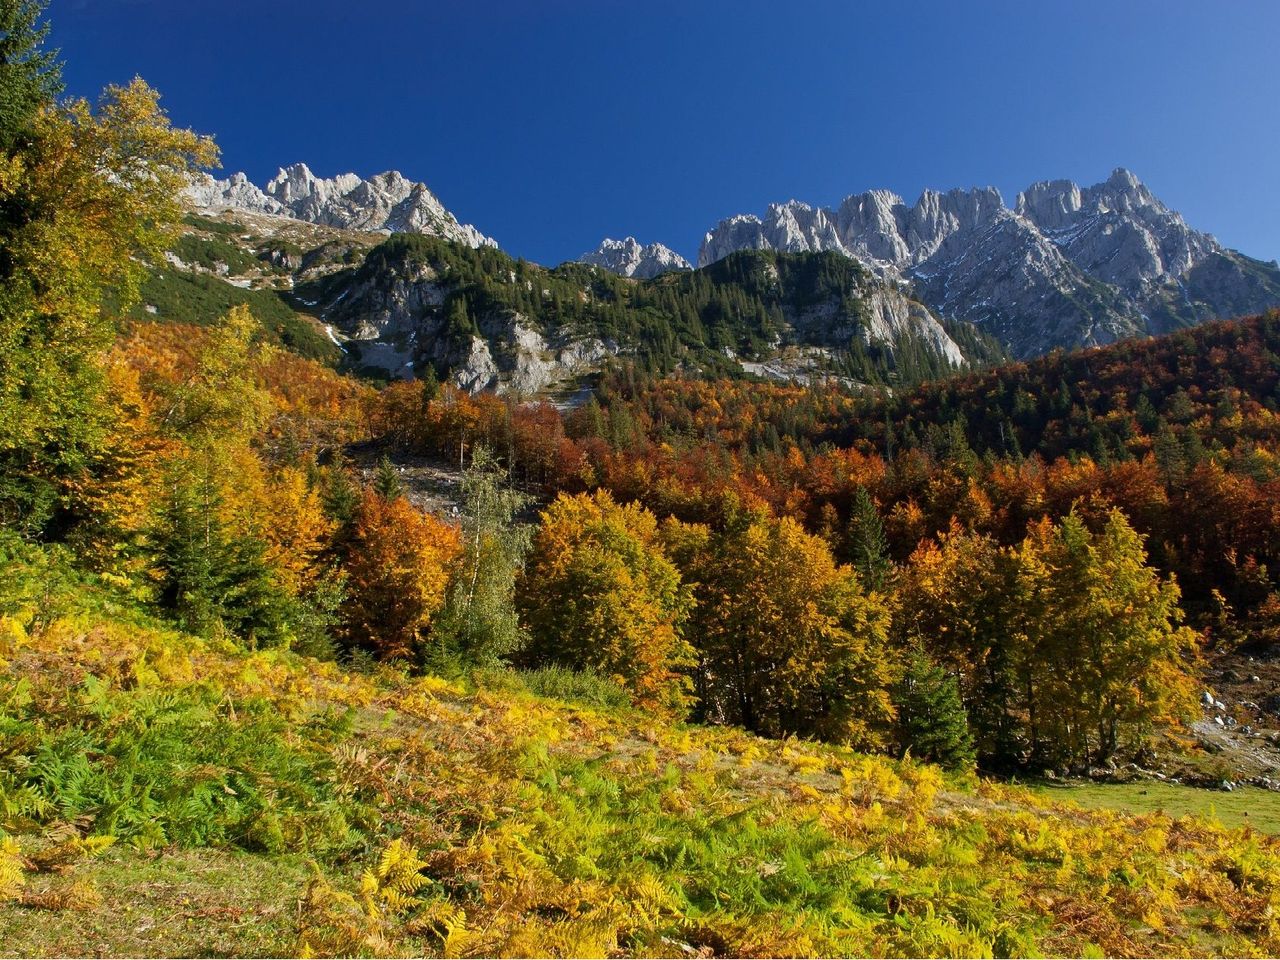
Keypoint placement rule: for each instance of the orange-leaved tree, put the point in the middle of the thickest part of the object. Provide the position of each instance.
(399, 562)
(958, 603)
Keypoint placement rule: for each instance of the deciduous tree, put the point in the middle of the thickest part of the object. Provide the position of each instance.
(399, 564)
(598, 591)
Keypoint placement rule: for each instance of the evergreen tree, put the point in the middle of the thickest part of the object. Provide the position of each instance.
(868, 546)
(1145, 412)
(932, 725)
(386, 481)
(479, 623)
(212, 581)
(341, 496)
(1171, 456)
(30, 76)
(430, 386)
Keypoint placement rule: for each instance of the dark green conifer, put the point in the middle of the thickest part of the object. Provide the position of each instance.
(932, 725)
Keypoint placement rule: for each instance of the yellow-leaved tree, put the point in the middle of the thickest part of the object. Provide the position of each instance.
(598, 592)
(790, 642)
(1068, 647)
(1105, 657)
(88, 196)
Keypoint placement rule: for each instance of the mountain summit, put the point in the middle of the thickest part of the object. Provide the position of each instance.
(1066, 266)
(629, 259)
(384, 202)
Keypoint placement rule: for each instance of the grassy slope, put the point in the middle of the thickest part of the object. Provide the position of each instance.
(1243, 807)
(179, 296)
(537, 827)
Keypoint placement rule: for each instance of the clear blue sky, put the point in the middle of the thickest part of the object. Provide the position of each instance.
(550, 124)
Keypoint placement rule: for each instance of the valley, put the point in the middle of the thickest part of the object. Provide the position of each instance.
(897, 580)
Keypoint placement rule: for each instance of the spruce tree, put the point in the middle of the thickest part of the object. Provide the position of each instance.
(430, 386)
(341, 496)
(868, 546)
(30, 76)
(211, 581)
(386, 481)
(932, 725)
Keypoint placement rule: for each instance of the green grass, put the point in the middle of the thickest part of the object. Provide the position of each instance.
(209, 252)
(232, 228)
(181, 297)
(185, 903)
(1243, 807)
(557, 683)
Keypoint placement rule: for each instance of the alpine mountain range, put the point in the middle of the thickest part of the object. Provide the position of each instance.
(1064, 267)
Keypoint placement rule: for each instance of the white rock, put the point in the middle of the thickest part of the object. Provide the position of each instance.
(629, 259)
(385, 202)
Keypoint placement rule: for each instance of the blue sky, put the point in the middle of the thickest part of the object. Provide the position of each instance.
(550, 124)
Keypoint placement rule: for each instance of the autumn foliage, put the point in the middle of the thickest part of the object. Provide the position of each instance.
(790, 642)
(398, 563)
(599, 592)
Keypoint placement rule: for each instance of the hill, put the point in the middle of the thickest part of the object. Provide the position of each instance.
(391, 307)
(181, 794)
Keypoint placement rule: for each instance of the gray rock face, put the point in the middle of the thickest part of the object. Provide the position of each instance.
(1117, 231)
(385, 202)
(234, 193)
(887, 317)
(629, 259)
(1066, 266)
(400, 314)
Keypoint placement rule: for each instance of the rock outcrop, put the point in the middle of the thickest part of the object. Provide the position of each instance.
(395, 320)
(628, 258)
(387, 202)
(1066, 266)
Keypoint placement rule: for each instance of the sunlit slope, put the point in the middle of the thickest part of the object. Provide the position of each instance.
(265, 803)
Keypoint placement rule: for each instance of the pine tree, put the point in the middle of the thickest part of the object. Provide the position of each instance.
(30, 76)
(430, 386)
(211, 580)
(386, 481)
(868, 546)
(932, 725)
(1171, 456)
(341, 496)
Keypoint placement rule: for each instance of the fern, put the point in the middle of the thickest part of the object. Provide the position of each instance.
(12, 877)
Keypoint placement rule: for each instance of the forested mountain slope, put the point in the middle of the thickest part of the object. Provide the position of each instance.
(483, 319)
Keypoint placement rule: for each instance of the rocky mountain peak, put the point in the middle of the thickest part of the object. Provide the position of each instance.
(234, 193)
(1066, 266)
(629, 258)
(385, 202)
(1052, 204)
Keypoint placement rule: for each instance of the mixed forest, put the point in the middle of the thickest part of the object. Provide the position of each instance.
(704, 666)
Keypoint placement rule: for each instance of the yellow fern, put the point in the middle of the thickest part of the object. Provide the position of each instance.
(12, 877)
